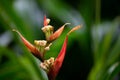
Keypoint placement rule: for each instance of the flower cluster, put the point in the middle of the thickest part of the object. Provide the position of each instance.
(52, 65)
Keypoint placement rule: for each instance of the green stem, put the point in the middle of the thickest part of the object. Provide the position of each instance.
(98, 11)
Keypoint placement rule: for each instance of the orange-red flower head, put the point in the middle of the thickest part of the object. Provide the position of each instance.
(52, 65)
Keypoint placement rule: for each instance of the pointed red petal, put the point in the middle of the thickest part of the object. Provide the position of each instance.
(58, 62)
(45, 21)
(57, 33)
(30, 47)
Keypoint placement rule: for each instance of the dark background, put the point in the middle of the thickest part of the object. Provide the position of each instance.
(91, 53)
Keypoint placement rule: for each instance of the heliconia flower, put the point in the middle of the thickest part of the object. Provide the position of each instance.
(52, 65)
(53, 71)
(30, 47)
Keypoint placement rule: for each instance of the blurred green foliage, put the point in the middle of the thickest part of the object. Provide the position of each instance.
(93, 52)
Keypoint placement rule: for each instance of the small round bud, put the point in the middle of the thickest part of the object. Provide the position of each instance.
(48, 21)
(40, 42)
(47, 64)
(48, 47)
(47, 28)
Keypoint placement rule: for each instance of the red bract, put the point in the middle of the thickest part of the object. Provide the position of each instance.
(45, 21)
(57, 33)
(30, 47)
(58, 61)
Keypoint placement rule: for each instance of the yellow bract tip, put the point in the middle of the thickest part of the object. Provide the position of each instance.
(14, 30)
(74, 29)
